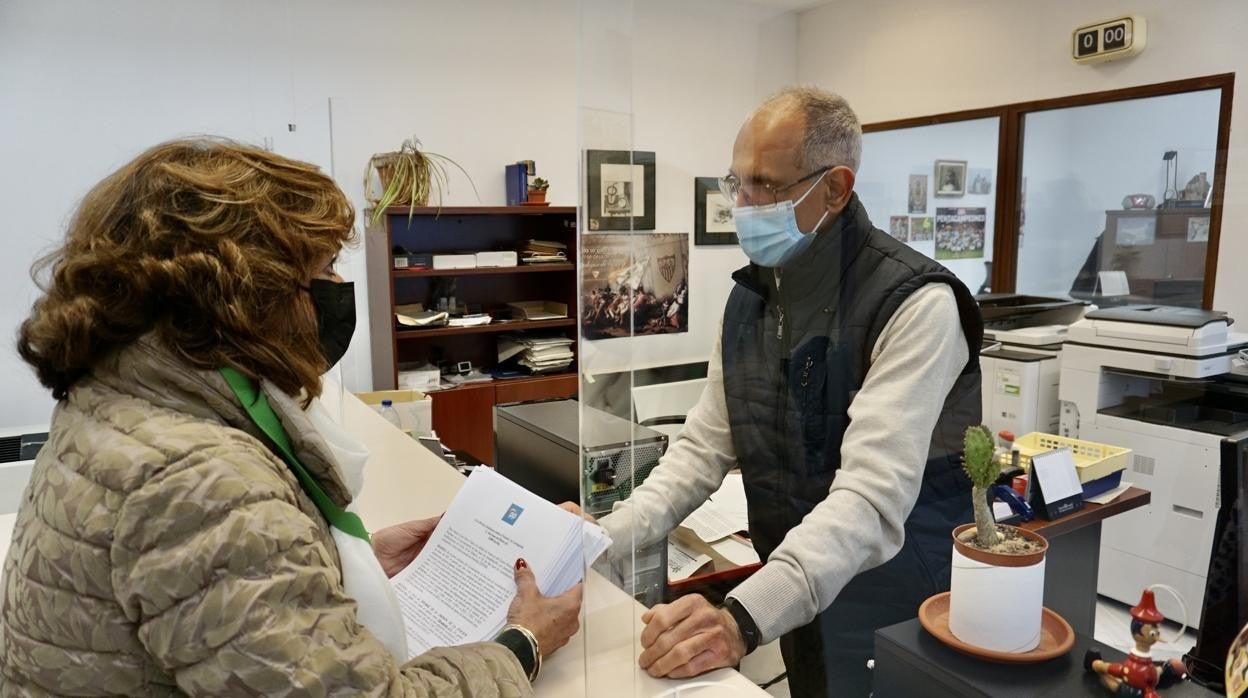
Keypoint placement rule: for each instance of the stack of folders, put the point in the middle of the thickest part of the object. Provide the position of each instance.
(458, 588)
(543, 252)
(538, 354)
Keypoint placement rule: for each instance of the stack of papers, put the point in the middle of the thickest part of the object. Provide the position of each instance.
(543, 252)
(471, 320)
(459, 587)
(723, 514)
(415, 315)
(473, 376)
(538, 354)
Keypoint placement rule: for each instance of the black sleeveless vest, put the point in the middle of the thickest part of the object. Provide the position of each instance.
(794, 356)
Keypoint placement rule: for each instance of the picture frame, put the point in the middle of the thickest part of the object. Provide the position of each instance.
(710, 227)
(615, 199)
(949, 179)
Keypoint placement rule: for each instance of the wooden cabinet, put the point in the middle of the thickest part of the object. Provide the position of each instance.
(463, 416)
(1162, 251)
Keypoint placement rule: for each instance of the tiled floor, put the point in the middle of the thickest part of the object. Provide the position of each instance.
(1113, 628)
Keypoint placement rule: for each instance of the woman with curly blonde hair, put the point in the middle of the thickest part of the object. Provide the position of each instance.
(186, 529)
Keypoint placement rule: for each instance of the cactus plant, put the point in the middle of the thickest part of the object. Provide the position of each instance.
(982, 467)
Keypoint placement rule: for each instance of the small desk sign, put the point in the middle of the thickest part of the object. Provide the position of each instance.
(1110, 39)
(1054, 484)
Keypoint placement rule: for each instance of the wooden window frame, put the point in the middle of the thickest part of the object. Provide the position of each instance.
(1010, 162)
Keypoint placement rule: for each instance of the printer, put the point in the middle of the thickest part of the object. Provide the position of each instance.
(1023, 337)
(1170, 384)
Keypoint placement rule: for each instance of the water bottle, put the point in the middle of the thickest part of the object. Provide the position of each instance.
(390, 414)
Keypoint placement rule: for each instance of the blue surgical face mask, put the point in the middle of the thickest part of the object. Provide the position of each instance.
(769, 234)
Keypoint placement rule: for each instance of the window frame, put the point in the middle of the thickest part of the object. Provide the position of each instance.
(1010, 162)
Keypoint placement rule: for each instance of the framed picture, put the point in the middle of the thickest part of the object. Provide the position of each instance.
(950, 178)
(1198, 229)
(921, 229)
(634, 284)
(620, 190)
(712, 214)
(960, 232)
(918, 194)
(899, 228)
(979, 181)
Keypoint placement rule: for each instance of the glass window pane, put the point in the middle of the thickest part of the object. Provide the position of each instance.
(1114, 200)
(934, 187)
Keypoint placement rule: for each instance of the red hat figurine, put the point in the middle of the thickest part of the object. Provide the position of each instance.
(1146, 610)
(1138, 674)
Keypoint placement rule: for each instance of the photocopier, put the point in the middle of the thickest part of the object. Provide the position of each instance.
(1023, 337)
(1170, 384)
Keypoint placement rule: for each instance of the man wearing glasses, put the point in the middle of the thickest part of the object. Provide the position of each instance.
(846, 371)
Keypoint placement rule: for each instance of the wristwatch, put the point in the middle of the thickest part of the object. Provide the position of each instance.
(745, 624)
(523, 644)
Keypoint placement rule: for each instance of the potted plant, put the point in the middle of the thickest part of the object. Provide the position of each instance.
(409, 177)
(997, 585)
(537, 191)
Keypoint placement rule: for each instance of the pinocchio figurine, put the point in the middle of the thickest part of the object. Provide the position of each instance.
(1138, 676)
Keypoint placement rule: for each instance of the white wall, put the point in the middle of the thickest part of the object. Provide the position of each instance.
(899, 58)
(890, 157)
(85, 86)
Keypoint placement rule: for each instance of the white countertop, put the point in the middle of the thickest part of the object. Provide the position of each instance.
(404, 481)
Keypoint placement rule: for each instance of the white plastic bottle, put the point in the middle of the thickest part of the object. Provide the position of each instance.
(390, 414)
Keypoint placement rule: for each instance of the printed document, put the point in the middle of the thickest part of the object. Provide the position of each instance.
(459, 588)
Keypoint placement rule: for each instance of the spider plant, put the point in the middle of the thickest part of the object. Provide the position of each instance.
(409, 177)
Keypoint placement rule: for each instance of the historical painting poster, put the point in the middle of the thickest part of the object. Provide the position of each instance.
(634, 284)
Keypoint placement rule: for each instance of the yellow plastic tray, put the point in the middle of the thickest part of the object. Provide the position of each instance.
(1092, 460)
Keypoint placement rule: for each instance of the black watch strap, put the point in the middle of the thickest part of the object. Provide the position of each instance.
(519, 645)
(745, 623)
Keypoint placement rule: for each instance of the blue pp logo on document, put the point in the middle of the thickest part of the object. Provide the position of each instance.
(513, 514)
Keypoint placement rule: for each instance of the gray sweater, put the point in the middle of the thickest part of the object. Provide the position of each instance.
(914, 363)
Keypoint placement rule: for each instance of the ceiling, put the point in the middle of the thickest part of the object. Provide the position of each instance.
(789, 5)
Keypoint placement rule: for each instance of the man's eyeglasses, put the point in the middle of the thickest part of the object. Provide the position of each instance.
(762, 193)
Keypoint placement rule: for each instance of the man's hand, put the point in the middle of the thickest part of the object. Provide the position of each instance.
(396, 546)
(689, 637)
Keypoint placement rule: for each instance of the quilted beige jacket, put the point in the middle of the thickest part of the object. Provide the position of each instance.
(161, 549)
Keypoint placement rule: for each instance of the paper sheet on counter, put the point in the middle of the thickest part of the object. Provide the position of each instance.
(683, 562)
(737, 550)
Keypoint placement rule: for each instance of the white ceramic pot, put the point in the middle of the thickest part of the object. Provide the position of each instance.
(996, 601)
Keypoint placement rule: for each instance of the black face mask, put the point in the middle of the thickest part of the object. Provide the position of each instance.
(335, 316)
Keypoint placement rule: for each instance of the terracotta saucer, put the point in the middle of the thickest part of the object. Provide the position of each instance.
(534, 203)
(1056, 635)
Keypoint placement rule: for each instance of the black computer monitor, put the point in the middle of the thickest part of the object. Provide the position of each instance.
(1225, 608)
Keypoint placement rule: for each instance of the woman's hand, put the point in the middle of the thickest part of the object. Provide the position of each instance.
(396, 546)
(575, 509)
(553, 620)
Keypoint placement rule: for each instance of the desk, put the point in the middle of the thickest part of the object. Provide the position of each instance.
(404, 481)
(910, 662)
(1072, 563)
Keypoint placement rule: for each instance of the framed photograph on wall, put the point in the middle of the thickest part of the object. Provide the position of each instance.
(712, 214)
(950, 178)
(918, 194)
(620, 190)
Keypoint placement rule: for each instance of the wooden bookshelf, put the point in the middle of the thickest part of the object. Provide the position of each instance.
(514, 326)
(484, 271)
(463, 415)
